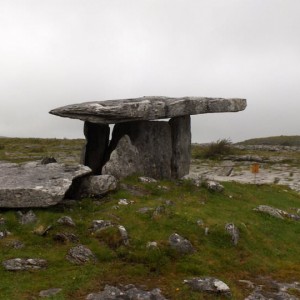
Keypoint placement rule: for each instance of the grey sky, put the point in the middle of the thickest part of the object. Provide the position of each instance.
(58, 52)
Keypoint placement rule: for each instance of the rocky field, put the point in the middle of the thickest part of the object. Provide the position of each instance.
(183, 239)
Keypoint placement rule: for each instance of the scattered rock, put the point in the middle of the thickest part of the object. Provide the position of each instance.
(234, 232)
(200, 222)
(195, 179)
(169, 202)
(15, 244)
(48, 160)
(101, 224)
(214, 186)
(209, 284)
(272, 211)
(26, 218)
(42, 230)
(4, 233)
(65, 237)
(158, 212)
(125, 202)
(2, 221)
(93, 186)
(124, 234)
(144, 210)
(21, 264)
(152, 245)
(66, 220)
(206, 230)
(274, 290)
(225, 171)
(126, 292)
(80, 255)
(50, 292)
(181, 244)
(35, 185)
(145, 179)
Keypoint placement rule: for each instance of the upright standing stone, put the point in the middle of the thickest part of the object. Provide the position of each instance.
(124, 160)
(181, 144)
(97, 138)
(153, 142)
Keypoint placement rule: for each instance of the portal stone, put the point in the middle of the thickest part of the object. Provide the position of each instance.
(153, 142)
(181, 146)
(97, 138)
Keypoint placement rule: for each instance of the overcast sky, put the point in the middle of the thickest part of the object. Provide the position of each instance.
(59, 52)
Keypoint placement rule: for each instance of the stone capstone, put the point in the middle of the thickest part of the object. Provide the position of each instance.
(147, 108)
(36, 185)
(21, 264)
(126, 292)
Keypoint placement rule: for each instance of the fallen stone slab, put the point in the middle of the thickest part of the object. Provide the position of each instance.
(21, 264)
(126, 292)
(209, 284)
(147, 108)
(36, 185)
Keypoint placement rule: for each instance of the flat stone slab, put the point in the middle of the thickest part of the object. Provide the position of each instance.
(147, 108)
(36, 185)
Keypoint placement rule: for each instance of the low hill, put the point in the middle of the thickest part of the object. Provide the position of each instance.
(282, 140)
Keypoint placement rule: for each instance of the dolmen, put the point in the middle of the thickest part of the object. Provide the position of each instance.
(139, 143)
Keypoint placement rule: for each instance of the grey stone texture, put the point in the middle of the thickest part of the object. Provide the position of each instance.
(22, 264)
(93, 186)
(155, 149)
(35, 185)
(147, 108)
(124, 160)
(126, 292)
(208, 284)
(181, 244)
(181, 145)
(153, 142)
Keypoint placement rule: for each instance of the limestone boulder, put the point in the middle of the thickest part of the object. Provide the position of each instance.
(208, 284)
(153, 142)
(36, 185)
(21, 264)
(93, 186)
(124, 159)
(126, 292)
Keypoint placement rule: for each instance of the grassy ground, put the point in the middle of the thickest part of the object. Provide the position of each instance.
(26, 149)
(282, 140)
(267, 247)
